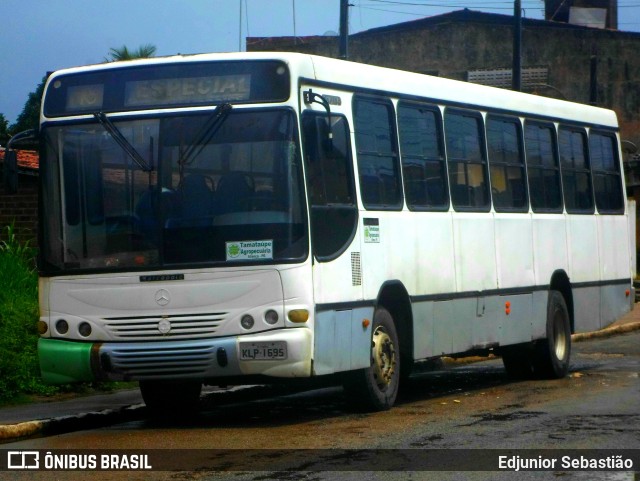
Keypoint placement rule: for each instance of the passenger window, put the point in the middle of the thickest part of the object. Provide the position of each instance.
(543, 168)
(576, 176)
(607, 181)
(506, 164)
(330, 184)
(466, 160)
(377, 154)
(423, 160)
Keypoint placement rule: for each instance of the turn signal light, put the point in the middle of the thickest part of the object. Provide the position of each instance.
(42, 327)
(298, 315)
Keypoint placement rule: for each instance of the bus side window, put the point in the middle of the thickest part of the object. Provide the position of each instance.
(543, 169)
(330, 184)
(576, 176)
(377, 151)
(466, 160)
(506, 164)
(423, 160)
(607, 181)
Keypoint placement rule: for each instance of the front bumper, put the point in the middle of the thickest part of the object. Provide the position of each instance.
(64, 362)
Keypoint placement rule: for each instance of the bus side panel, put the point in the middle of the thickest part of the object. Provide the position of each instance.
(614, 261)
(514, 318)
(337, 280)
(413, 248)
(582, 239)
(549, 247)
(514, 250)
(586, 301)
(423, 330)
(341, 341)
(432, 253)
(614, 265)
(614, 303)
(539, 315)
(475, 252)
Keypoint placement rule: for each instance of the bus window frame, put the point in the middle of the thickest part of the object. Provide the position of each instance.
(616, 160)
(329, 206)
(582, 131)
(557, 169)
(394, 154)
(484, 162)
(506, 165)
(442, 161)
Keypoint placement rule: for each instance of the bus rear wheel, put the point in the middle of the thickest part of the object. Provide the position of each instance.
(171, 398)
(376, 387)
(551, 355)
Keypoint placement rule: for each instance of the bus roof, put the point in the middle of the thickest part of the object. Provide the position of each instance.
(372, 78)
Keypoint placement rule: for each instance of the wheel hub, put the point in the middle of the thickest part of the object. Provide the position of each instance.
(384, 358)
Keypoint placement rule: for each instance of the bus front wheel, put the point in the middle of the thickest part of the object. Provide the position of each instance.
(376, 387)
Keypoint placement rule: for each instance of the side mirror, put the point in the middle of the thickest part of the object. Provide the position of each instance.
(10, 171)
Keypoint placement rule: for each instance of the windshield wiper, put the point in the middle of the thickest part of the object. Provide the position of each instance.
(206, 132)
(122, 141)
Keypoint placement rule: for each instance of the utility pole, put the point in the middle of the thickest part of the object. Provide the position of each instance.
(240, 29)
(516, 70)
(344, 29)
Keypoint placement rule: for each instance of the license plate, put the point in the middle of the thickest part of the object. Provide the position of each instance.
(261, 351)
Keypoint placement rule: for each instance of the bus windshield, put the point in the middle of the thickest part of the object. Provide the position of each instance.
(222, 188)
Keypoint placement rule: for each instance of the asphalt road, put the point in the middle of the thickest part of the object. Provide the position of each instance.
(462, 407)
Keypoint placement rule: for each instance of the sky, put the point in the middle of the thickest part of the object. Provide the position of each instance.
(38, 36)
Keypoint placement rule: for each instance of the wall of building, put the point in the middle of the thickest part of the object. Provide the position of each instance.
(463, 41)
(21, 209)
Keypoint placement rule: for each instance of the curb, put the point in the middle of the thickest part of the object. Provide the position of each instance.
(66, 424)
(606, 332)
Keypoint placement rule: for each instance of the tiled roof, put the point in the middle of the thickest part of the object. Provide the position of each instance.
(27, 159)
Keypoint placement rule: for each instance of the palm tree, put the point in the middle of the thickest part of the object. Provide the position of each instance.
(123, 53)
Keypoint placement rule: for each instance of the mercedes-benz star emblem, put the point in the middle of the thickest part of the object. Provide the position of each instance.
(162, 297)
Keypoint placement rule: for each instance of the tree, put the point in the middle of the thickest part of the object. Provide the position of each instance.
(29, 118)
(4, 130)
(123, 53)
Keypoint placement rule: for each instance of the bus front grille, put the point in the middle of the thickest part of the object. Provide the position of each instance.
(174, 327)
(147, 363)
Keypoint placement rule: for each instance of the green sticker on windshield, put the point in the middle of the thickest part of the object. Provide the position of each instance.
(249, 250)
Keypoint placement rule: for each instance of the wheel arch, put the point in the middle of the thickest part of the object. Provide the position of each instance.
(393, 296)
(560, 282)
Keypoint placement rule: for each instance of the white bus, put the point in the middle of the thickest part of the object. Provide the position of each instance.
(239, 218)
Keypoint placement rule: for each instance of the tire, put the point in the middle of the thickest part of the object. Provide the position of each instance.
(171, 398)
(517, 361)
(552, 355)
(376, 387)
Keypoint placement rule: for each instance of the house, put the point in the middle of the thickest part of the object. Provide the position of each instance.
(562, 60)
(21, 208)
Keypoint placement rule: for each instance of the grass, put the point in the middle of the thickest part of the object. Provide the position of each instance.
(19, 369)
(20, 379)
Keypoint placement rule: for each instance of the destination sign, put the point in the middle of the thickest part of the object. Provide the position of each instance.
(187, 90)
(85, 97)
(167, 85)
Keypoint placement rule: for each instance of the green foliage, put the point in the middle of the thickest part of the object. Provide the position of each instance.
(19, 368)
(29, 118)
(19, 365)
(4, 130)
(123, 53)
